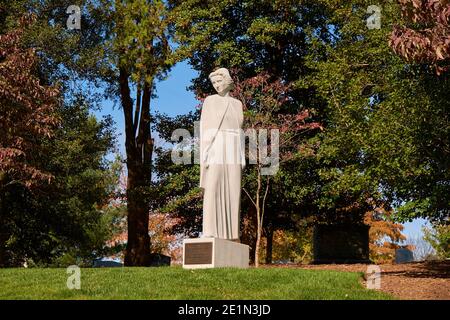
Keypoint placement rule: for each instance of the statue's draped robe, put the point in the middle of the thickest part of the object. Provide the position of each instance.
(221, 162)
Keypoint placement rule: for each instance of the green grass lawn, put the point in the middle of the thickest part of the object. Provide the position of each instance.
(177, 283)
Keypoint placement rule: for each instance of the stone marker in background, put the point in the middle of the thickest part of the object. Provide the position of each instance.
(107, 264)
(159, 260)
(403, 255)
(341, 243)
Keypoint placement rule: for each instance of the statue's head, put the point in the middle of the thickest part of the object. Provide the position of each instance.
(221, 81)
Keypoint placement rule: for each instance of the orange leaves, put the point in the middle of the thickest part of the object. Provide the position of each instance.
(381, 229)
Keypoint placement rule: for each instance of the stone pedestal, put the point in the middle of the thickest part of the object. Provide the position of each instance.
(214, 253)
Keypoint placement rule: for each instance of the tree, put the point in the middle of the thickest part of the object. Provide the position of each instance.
(26, 111)
(176, 191)
(387, 121)
(143, 54)
(381, 229)
(26, 116)
(64, 222)
(263, 101)
(292, 245)
(123, 47)
(426, 38)
(84, 183)
(253, 36)
(439, 238)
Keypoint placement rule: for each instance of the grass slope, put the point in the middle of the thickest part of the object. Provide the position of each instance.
(177, 283)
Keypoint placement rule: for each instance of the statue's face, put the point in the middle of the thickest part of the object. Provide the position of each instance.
(220, 85)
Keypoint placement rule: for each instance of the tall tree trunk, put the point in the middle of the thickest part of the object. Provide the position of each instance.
(269, 245)
(138, 150)
(138, 245)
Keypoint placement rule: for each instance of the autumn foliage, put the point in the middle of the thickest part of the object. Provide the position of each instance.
(384, 235)
(26, 108)
(266, 101)
(428, 38)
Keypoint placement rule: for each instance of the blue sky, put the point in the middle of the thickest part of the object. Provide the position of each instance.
(174, 99)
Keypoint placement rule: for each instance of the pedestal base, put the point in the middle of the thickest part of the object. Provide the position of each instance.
(214, 253)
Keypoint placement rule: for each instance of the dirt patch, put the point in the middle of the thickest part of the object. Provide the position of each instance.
(410, 281)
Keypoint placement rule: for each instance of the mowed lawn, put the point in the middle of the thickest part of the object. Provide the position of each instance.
(177, 283)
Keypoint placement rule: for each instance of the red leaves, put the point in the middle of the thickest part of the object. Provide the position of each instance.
(431, 44)
(296, 122)
(27, 108)
(262, 92)
(266, 99)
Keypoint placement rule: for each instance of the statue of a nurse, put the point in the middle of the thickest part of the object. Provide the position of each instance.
(221, 159)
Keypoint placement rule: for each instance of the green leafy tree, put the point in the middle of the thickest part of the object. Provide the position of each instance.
(386, 121)
(176, 190)
(56, 180)
(386, 137)
(143, 54)
(439, 238)
(64, 222)
(84, 181)
(263, 102)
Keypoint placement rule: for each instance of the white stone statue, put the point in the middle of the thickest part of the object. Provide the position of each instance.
(222, 159)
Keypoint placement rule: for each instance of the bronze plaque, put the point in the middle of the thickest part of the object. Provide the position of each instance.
(198, 253)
